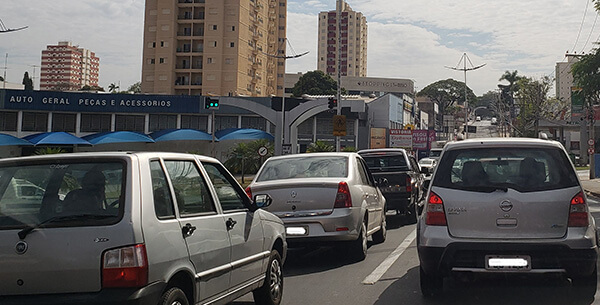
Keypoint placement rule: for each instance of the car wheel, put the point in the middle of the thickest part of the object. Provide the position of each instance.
(585, 286)
(379, 236)
(431, 284)
(271, 291)
(411, 213)
(358, 248)
(174, 296)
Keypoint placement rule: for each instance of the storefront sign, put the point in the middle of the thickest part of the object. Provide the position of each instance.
(378, 138)
(401, 138)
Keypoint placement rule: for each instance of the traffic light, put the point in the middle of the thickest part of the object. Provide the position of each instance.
(211, 103)
(332, 102)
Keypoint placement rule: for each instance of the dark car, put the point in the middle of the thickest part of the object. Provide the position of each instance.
(399, 177)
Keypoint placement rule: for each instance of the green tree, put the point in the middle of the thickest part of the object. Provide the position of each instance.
(586, 75)
(113, 88)
(244, 157)
(448, 94)
(533, 100)
(320, 146)
(92, 88)
(315, 83)
(27, 81)
(135, 88)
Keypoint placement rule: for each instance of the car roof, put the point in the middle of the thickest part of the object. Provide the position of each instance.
(315, 154)
(115, 154)
(380, 150)
(502, 142)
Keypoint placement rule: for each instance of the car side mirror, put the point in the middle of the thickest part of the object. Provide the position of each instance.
(261, 201)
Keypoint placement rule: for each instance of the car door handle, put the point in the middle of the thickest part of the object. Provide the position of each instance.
(230, 223)
(188, 230)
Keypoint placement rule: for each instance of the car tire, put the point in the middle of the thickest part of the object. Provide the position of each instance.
(358, 247)
(174, 296)
(379, 236)
(585, 286)
(271, 292)
(431, 284)
(411, 213)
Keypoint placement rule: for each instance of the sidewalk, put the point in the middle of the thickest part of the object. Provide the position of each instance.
(591, 186)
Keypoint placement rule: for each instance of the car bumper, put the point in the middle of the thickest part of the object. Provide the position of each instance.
(149, 294)
(340, 225)
(397, 201)
(575, 254)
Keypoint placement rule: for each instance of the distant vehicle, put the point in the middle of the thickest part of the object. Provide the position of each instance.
(506, 206)
(478, 118)
(427, 164)
(324, 197)
(435, 153)
(134, 228)
(400, 178)
(494, 121)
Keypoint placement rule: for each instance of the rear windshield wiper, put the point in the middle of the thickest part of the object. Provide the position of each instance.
(23, 233)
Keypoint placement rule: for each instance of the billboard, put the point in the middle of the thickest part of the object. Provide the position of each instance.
(401, 138)
(378, 138)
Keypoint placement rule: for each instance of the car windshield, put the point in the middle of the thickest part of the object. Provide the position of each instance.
(304, 167)
(489, 169)
(34, 194)
(386, 162)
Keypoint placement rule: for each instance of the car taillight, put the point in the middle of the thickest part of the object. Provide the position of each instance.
(125, 267)
(342, 198)
(409, 184)
(249, 192)
(578, 211)
(435, 211)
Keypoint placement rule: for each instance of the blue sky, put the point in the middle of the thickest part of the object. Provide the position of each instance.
(412, 39)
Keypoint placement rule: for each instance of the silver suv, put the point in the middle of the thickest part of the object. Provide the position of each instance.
(134, 228)
(499, 206)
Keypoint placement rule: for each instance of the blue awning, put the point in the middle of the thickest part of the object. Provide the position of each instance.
(55, 138)
(117, 137)
(181, 134)
(243, 134)
(6, 140)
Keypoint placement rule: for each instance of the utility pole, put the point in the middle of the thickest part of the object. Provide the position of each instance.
(464, 59)
(339, 5)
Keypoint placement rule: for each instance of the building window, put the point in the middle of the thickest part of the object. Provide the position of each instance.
(162, 44)
(64, 122)
(161, 60)
(162, 121)
(254, 122)
(8, 121)
(233, 28)
(209, 60)
(214, 27)
(213, 44)
(228, 61)
(232, 44)
(95, 122)
(224, 122)
(34, 121)
(194, 122)
(129, 123)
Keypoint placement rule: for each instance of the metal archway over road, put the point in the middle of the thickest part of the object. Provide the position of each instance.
(293, 117)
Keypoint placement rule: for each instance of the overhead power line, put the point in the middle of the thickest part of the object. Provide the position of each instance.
(581, 25)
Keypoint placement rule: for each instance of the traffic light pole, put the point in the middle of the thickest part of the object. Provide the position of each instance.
(212, 129)
(339, 67)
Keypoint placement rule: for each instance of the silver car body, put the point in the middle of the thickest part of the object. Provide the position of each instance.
(61, 262)
(304, 198)
(499, 215)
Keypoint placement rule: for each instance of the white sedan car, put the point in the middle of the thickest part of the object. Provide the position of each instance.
(428, 163)
(324, 197)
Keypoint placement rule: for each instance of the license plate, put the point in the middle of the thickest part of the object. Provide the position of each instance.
(508, 262)
(296, 231)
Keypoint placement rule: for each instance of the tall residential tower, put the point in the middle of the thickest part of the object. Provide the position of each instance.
(214, 47)
(66, 67)
(353, 50)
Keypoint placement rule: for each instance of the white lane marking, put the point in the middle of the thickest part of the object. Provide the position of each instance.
(372, 278)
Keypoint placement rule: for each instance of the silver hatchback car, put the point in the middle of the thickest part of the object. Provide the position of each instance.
(324, 197)
(134, 228)
(500, 206)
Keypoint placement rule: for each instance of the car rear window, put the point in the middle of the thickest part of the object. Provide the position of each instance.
(304, 167)
(57, 194)
(386, 162)
(490, 169)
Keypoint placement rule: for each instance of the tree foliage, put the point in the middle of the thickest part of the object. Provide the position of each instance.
(586, 75)
(315, 83)
(320, 146)
(244, 156)
(27, 81)
(533, 102)
(135, 88)
(448, 93)
(113, 88)
(92, 88)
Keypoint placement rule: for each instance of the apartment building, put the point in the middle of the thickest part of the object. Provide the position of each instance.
(564, 80)
(214, 47)
(66, 67)
(353, 49)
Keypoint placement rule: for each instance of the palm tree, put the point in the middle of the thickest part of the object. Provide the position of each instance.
(113, 88)
(320, 146)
